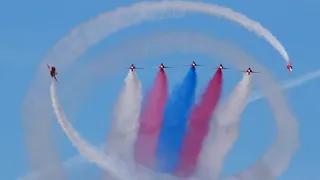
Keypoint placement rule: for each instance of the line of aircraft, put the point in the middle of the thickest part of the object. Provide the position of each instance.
(53, 71)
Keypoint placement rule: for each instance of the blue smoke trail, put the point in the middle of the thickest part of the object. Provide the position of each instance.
(174, 123)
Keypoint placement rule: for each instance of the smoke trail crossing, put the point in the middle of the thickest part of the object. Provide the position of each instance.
(85, 149)
(224, 130)
(125, 122)
(72, 46)
(115, 167)
(175, 122)
(199, 126)
(290, 84)
(151, 120)
(278, 154)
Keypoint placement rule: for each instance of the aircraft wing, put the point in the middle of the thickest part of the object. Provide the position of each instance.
(163, 67)
(254, 72)
(191, 65)
(222, 68)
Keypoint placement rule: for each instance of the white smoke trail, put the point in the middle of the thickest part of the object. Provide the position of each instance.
(224, 131)
(125, 122)
(87, 34)
(291, 84)
(85, 149)
(116, 168)
(71, 47)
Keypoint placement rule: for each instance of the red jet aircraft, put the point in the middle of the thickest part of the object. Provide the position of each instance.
(162, 66)
(221, 67)
(53, 71)
(249, 71)
(193, 64)
(132, 67)
(289, 67)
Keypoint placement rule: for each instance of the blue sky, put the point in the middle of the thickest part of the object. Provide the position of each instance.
(29, 29)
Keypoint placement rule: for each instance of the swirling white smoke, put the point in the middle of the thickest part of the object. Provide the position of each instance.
(224, 130)
(214, 48)
(74, 45)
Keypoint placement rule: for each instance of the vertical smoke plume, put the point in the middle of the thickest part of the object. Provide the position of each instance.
(117, 169)
(151, 120)
(175, 121)
(199, 126)
(125, 122)
(38, 133)
(224, 131)
(85, 149)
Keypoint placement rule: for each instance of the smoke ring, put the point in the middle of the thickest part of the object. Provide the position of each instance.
(275, 160)
(73, 46)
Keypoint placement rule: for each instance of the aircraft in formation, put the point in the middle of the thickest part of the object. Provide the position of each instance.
(53, 71)
(249, 71)
(193, 64)
(162, 66)
(132, 67)
(221, 67)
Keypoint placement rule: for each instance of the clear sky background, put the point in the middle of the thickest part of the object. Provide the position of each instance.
(30, 28)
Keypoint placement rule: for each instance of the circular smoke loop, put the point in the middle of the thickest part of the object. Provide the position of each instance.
(277, 158)
(36, 105)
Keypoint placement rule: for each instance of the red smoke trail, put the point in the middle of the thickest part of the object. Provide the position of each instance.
(199, 126)
(151, 120)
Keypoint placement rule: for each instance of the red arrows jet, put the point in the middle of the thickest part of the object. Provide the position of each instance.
(162, 66)
(193, 64)
(289, 67)
(249, 71)
(53, 72)
(132, 67)
(221, 67)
